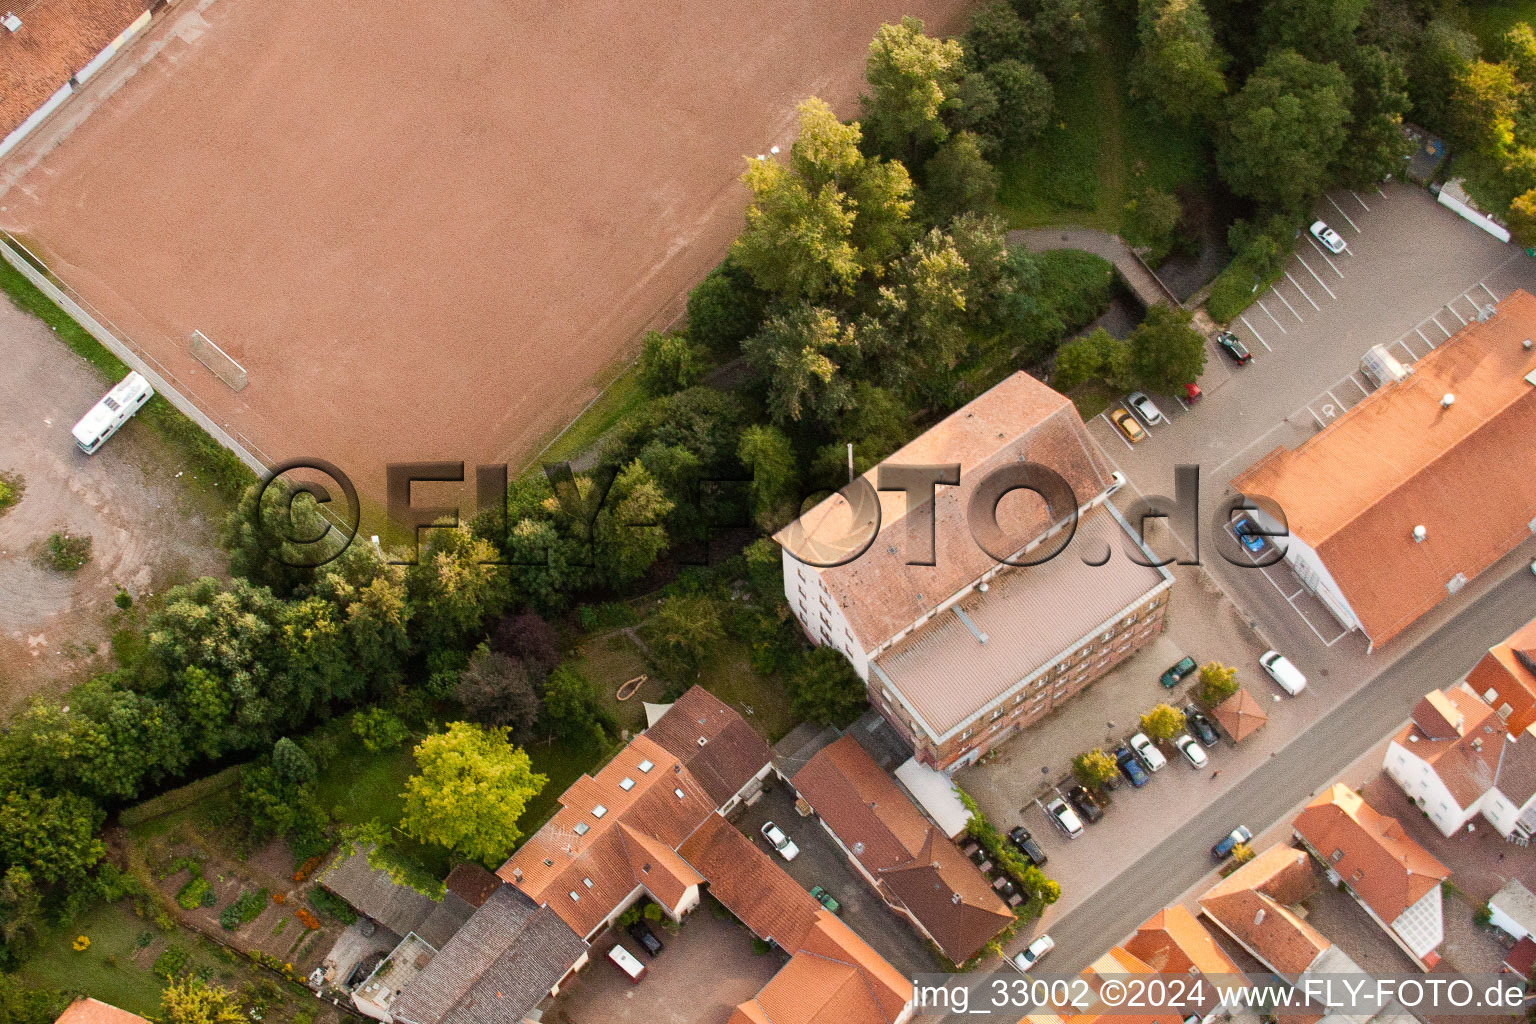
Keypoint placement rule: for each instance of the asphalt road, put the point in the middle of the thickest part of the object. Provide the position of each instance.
(1296, 772)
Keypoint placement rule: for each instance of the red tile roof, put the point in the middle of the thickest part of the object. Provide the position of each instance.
(56, 39)
(1509, 669)
(93, 1011)
(1172, 941)
(1460, 737)
(911, 859)
(730, 753)
(750, 884)
(472, 883)
(834, 977)
(1241, 715)
(1522, 958)
(1370, 851)
(1355, 491)
(1253, 906)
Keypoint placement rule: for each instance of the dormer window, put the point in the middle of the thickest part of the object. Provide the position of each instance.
(646, 766)
(599, 811)
(582, 828)
(627, 784)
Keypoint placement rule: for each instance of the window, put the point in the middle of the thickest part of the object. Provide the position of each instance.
(679, 793)
(646, 766)
(575, 896)
(1338, 855)
(627, 784)
(548, 863)
(599, 811)
(587, 882)
(582, 828)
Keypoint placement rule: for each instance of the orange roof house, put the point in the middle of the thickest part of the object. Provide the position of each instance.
(1507, 677)
(86, 1010)
(1252, 905)
(1172, 941)
(1241, 715)
(1389, 874)
(1117, 962)
(908, 860)
(1354, 494)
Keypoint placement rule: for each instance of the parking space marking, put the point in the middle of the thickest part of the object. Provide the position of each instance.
(1256, 334)
(1485, 288)
(1303, 291)
(1457, 315)
(1363, 392)
(1315, 277)
(1336, 400)
(1115, 430)
(1336, 206)
(1288, 305)
(1290, 599)
(1367, 209)
(1426, 340)
(1324, 254)
(1272, 317)
(1440, 325)
(1413, 356)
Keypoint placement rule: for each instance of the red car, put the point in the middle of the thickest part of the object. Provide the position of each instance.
(1192, 393)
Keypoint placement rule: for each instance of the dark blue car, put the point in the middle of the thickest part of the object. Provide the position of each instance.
(1131, 767)
(1248, 534)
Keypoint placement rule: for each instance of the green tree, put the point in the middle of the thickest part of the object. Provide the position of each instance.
(826, 690)
(1178, 65)
(800, 353)
(723, 309)
(379, 729)
(193, 1001)
(1024, 101)
(52, 836)
(1436, 64)
(796, 241)
(1094, 768)
(1165, 351)
(1217, 683)
(1323, 30)
(668, 363)
(1059, 30)
(1487, 100)
(21, 912)
(909, 75)
(767, 453)
(996, 33)
(572, 709)
(1163, 722)
(765, 570)
(1151, 222)
(293, 766)
(959, 178)
(1097, 357)
(1284, 129)
(21, 1005)
(1522, 218)
(684, 630)
(266, 539)
(276, 804)
(497, 690)
(455, 587)
(629, 533)
(469, 791)
(1377, 146)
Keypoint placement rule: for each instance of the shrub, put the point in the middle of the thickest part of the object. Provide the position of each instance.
(331, 905)
(65, 552)
(307, 919)
(11, 488)
(1217, 683)
(1482, 915)
(171, 963)
(244, 910)
(668, 363)
(193, 894)
(379, 729)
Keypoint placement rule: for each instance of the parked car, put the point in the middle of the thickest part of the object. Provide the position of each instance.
(1131, 767)
(1231, 839)
(1127, 425)
(1148, 752)
(1116, 481)
(1087, 807)
(1064, 817)
(779, 841)
(1247, 533)
(1280, 669)
(1144, 408)
(641, 933)
(1200, 725)
(1233, 346)
(1176, 673)
(1025, 844)
(1192, 393)
(1329, 237)
(1033, 953)
(825, 899)
(1193, 752)
(627, 962)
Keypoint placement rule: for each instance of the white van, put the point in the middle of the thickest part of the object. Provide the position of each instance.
(107, 415)
(626, 961)
(1288, 676)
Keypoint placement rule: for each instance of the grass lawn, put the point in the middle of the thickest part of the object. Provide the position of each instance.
(1103, 149)
(759, 699)
(621, 398)
(609, 661)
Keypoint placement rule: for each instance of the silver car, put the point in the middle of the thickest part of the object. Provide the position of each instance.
(1144, 408)
(1327, 236)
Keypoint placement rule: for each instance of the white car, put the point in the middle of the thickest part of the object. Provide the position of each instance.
(1144, 408)
(1033, 953)
(1065, 818)
(1148, 752)
(1117, 481)
(779, 841)
(1192, 751)
(1329, 237)
(1288, 676)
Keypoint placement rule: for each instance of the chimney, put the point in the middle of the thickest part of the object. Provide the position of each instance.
(11, 22)
(1526, 344)
(517, 874)
(1419, 533)
(1448, 401)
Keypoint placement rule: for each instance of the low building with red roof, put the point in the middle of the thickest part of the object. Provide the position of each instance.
(1253, 906)
(1418, 488)
(86, 1010)
(1392, 877)
(1506, 679)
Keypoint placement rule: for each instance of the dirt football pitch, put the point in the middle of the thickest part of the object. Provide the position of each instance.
(426, 232)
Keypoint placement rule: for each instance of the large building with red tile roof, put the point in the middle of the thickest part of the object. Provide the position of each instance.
(1395, 879)
(958, 649)
(86, 1010)
(1421, 486)
(1506, 679)
(1254, 907)
(1116, 963)
(1456, 760)
(1173, 941)
(906, 858)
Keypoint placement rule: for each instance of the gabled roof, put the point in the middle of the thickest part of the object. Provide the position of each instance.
(1117, 962)
(712, 741)
(399, 908)
(751, 885)
(86, 1010)
(1172, 941)
(1253, 906)
(497, 968)
(834, 977)
(1509, 669)
(1370, 851)
(57, 38)
(590, 848)
(908, 854)
(1241, 715)
(1356, 490)
(1020, 418)
(1460, 738)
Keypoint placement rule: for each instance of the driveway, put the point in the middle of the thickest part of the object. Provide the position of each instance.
(705, 971)
(822, 862)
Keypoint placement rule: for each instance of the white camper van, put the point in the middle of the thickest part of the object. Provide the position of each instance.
(107, 415)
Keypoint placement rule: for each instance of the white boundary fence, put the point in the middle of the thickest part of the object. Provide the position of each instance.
(1454, 197)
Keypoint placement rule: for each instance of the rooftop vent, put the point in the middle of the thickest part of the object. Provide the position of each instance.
(1419, 533)
(517, 874)
(1447, 401)
(1258, 918)
(1526, 344)
(702, 741)
(11, 22)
